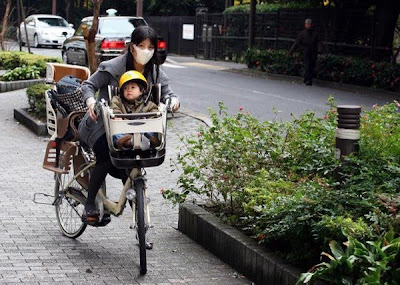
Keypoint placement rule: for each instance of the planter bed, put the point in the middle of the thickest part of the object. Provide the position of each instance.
(36, 126)
(235, 248)
(6, 86)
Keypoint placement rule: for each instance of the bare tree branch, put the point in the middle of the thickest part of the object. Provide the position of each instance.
(4, 25)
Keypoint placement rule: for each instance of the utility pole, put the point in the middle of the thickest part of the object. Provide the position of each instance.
(139, 8)
(252, 21)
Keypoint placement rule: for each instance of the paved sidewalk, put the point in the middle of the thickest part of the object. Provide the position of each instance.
(33, 251)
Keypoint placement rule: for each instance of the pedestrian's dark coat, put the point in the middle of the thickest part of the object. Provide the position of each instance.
(308, 41)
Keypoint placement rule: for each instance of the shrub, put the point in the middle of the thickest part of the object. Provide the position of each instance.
(268, 7)
(278, 180)
(274, 61)
(337, 68)
(21, 73)
(36, 99)
(372, 262)
(10, 60)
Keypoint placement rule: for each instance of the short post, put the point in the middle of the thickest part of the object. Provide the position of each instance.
(348, 130)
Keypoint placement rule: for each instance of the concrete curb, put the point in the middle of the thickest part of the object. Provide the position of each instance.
(317, 82)
(6, 86)
(23, 116)
(235, 248)
(196, 115)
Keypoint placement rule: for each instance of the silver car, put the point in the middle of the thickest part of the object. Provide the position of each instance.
(45, 29)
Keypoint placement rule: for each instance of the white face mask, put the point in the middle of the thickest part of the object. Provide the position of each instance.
(143, 55)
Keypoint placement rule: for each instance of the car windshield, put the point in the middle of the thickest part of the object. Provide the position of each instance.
(119, 26)
(53, 22)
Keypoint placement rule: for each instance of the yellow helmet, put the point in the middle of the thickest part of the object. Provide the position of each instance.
(133, 75)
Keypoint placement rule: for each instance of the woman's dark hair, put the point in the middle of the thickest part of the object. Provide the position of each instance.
(140, 34)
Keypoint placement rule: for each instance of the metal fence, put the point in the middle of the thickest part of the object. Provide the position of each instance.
(172, 30)
(225, 36)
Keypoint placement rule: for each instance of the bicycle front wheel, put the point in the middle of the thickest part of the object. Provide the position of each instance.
(68, 210)
(141, 230)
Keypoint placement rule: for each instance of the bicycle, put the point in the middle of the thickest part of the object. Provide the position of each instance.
(72, 163)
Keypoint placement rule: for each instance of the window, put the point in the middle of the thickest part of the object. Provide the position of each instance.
(79, 30)
(119, 26)
(53, 22)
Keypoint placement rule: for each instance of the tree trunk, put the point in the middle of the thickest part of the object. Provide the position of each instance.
(67, 9)
(387, 12)
(91, 46)
(139, 8)
(21, 6)
(4, 25)
(54, 7)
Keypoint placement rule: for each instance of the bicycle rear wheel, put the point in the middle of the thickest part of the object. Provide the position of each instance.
(68, 210)
(141, 230)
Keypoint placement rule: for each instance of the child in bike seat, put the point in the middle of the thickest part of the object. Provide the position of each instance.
(132, 86)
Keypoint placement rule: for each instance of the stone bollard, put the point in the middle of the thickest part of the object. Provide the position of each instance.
(348, 130)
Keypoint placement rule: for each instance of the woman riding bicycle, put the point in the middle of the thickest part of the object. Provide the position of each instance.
(140, 56)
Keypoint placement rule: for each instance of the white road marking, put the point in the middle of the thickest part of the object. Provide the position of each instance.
(171, 65)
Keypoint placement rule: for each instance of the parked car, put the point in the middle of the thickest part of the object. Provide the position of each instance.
(45, 29)
(113, 34)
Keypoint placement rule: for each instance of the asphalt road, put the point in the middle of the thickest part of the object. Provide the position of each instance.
(202, 84)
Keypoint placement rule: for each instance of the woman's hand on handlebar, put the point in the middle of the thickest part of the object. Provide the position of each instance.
(92, 112)
(174, 104)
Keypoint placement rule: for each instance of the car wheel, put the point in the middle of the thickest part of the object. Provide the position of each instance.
(65, 57)
(35, 41)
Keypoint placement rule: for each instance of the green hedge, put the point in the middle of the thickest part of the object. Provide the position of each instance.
(10, 60)
(268, 7)
(344, 69)
(278, 181)
(36, 99)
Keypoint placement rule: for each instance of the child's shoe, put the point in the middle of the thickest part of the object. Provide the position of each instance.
(154, 142)
(124, 142)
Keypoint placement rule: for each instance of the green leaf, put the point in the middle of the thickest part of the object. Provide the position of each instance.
(336, 249)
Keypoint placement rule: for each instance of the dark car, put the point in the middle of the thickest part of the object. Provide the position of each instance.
(113, 34)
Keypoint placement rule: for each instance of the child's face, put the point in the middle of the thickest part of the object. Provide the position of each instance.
(131, 91)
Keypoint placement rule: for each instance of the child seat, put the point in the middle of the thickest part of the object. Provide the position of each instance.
(135, 124)
(62, 119)
(54, 73)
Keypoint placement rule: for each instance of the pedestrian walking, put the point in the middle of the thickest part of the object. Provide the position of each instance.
(308, 41)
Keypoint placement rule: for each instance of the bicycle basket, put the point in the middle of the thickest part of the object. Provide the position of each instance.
(136, 124)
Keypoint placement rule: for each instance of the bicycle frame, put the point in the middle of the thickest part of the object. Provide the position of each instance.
(72, 165)
(105, 204)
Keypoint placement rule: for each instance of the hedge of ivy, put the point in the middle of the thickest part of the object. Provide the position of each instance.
(344, 69)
